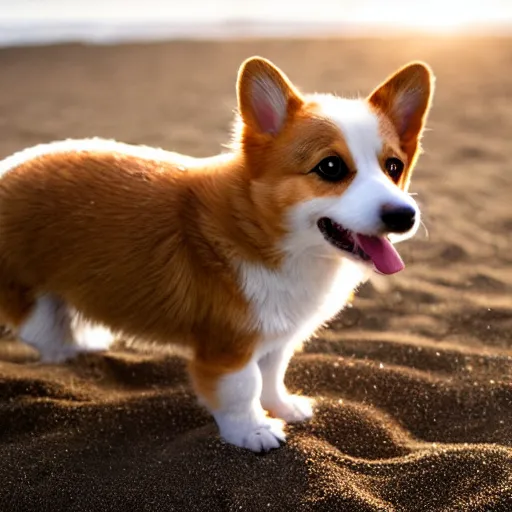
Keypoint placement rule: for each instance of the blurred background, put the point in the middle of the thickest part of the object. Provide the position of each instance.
(46, 21)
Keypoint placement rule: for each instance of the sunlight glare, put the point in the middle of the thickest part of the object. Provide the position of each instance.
(432, 15)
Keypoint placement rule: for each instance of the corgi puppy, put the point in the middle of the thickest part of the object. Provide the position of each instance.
(238, 257)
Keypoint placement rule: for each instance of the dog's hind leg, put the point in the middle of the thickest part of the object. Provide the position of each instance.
(46, 322)
(47, 328)
(57, 333)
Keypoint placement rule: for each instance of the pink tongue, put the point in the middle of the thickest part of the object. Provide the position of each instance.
(384, 256)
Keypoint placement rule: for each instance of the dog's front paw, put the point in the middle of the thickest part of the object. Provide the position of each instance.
(292, 409)
(263, 436)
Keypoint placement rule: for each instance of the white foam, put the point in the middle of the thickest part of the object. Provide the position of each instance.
(27, 22)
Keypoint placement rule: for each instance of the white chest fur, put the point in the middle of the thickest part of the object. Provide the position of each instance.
(291, 303)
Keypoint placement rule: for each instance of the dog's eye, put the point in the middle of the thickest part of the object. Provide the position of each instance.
(394, 168)
(332, 168)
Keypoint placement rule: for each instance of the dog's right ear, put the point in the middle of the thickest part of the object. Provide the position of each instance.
(266, 97)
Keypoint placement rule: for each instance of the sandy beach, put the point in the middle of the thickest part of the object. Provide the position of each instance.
(413, 382)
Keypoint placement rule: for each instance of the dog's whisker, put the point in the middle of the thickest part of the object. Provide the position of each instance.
(423, 225)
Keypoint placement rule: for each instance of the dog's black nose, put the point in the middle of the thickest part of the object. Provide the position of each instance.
(398, 219)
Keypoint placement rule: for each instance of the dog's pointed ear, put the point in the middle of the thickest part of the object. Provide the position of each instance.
(405, 98)
(266, 97)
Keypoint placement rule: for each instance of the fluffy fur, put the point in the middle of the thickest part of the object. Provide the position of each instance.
(221, 255)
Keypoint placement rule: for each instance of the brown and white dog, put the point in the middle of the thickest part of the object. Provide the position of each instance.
(239, 257)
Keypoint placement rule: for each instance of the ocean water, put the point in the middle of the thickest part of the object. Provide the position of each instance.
(111, 32)
(24, 22)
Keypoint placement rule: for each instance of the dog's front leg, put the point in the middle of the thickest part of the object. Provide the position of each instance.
(274, 396)
(233, 398)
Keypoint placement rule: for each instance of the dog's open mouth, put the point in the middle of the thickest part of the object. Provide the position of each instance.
(375, 249)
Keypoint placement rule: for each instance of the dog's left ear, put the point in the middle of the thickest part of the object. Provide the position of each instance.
(405, 98)
(266, 97)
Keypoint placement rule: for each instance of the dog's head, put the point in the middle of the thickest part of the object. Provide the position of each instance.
(335, 172)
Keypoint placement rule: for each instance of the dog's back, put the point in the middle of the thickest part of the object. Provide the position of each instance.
(113, 233)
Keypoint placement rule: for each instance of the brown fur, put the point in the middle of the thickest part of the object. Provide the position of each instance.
(149, 246)
(135, 244)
